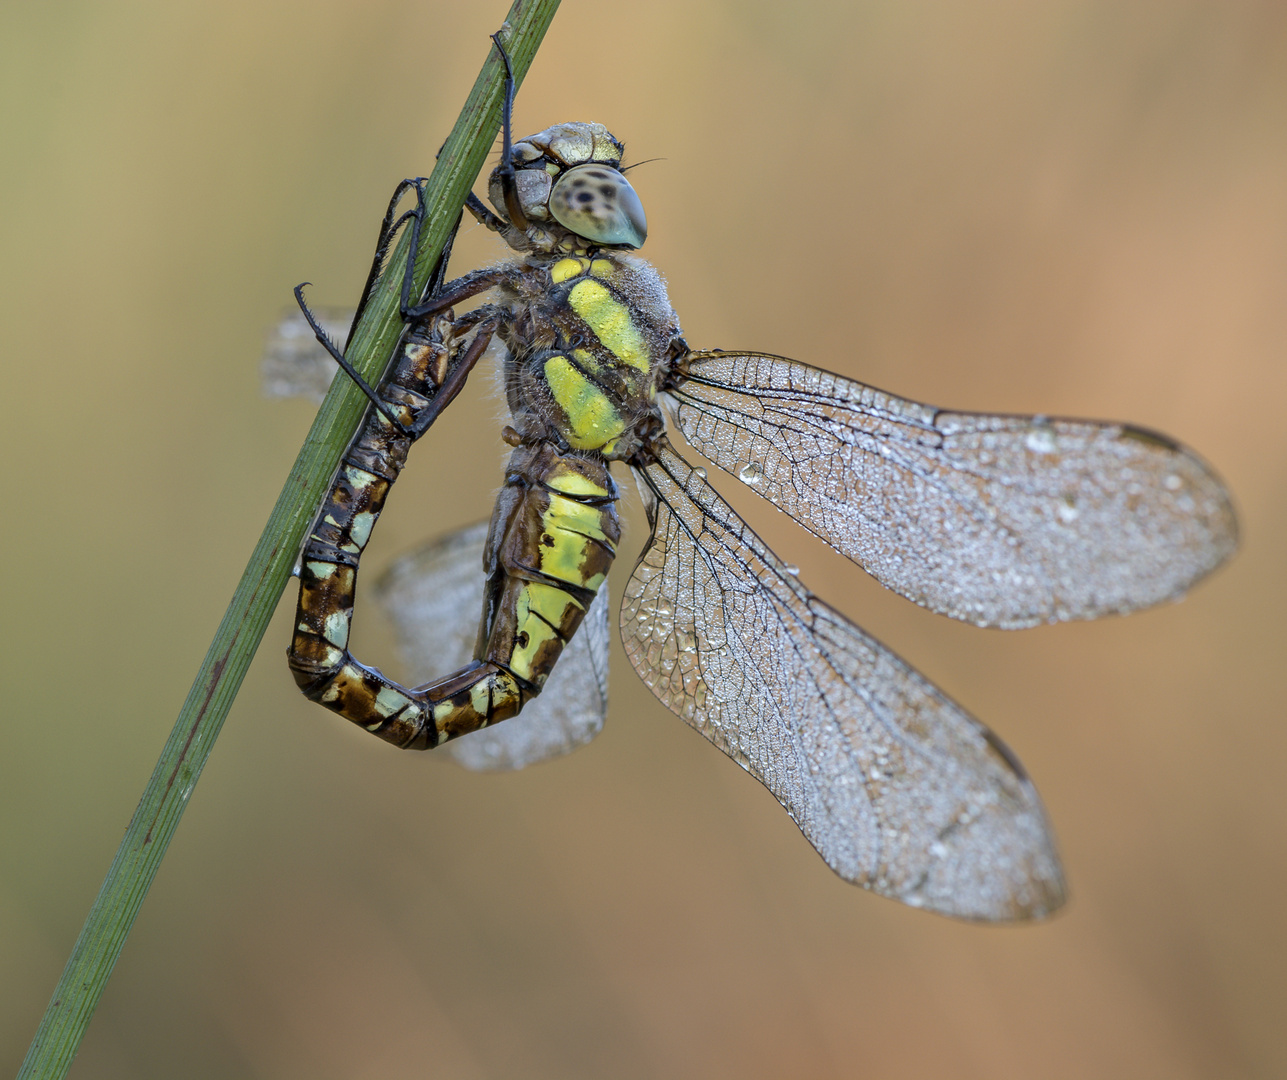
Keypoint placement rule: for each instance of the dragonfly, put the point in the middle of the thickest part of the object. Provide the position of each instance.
(996, 520)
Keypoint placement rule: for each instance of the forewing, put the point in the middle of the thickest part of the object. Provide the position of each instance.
(898, 788)
(1001, 521)
(434, 598)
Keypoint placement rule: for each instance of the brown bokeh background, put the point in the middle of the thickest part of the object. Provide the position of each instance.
(1068, 207)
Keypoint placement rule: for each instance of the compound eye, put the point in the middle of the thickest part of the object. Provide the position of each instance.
(598, 203)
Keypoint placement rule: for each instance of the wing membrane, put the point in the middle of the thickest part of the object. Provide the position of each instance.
(434, 598)
(897, 787)
(998, 520)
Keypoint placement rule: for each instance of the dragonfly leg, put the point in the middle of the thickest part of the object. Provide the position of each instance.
(505, 171)
(388, 230)
(483, 215)
(338, 356)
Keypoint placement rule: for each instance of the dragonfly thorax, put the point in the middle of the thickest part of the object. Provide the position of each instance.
(589, 341)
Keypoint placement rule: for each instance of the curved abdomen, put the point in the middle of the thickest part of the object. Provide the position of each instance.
(552, 541)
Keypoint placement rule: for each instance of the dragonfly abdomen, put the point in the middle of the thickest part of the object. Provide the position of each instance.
(329, 562)
(553, 538)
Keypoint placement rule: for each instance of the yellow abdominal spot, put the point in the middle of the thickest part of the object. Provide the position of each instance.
(540, 609)
(575, 517)
(480, 700)
(388, 701)
(610, 321)
(573, 527)
(593, 421)
(571, 482)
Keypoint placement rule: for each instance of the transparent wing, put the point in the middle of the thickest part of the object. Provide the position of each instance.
(898, 788)
(294, 364)
(434, 598)
(1001, 521)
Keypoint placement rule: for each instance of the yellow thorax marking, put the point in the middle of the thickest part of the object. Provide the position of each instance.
(610, 322)
(593, 420)
(587, 361)
(569, 268)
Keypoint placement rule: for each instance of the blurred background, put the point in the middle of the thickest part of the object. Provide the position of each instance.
(1071, 207)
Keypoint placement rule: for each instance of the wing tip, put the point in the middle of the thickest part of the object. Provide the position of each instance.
(1027, 891)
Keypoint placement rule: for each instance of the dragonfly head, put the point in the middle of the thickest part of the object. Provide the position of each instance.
(569, 191)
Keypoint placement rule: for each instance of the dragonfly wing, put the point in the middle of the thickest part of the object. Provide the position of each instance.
(294, 364)
(1001, 521)
(898, 788)
(434, 596)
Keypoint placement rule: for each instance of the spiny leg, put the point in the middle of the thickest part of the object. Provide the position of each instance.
(441, 296)
(388, 230)
(483, 215)
(509, 183)
(338, 356)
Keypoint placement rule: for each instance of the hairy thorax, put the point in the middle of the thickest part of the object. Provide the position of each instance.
(590, 340)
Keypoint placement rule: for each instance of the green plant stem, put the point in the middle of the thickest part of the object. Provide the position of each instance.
(179, 766)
